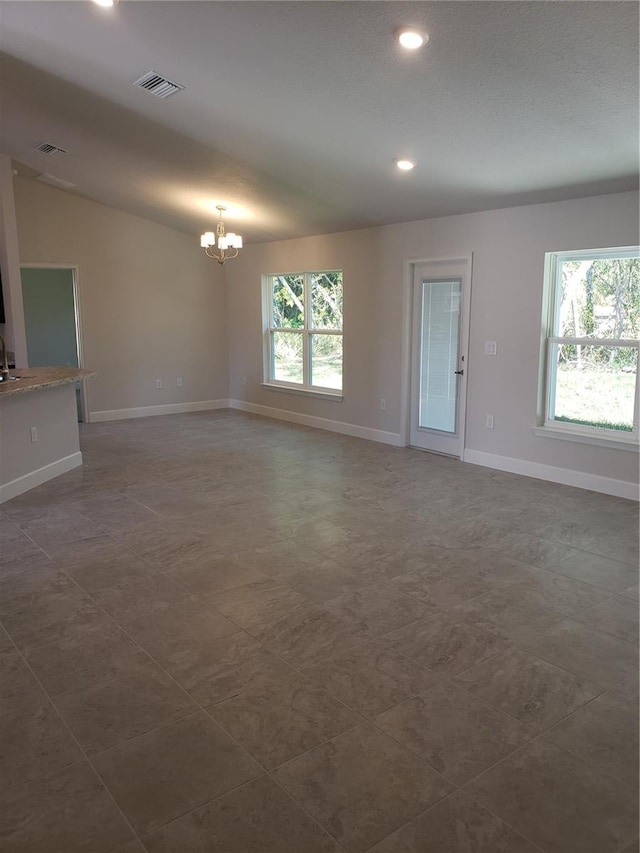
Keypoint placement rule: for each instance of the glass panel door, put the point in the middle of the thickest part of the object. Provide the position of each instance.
(440, 303)
(439, 354)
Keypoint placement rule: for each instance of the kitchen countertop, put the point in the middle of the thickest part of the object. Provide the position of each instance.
(37, 378)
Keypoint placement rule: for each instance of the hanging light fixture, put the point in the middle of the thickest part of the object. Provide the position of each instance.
(227, 242)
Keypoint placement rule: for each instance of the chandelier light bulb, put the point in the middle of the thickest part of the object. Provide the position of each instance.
(412, 39)
(229, 243)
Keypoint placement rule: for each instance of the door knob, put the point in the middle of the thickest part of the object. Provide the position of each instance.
(459, 372)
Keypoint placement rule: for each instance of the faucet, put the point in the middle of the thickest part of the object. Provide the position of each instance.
(4, 372)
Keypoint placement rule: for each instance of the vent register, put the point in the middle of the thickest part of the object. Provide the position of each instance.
(158, 85)
(51, 150)
(152, 82)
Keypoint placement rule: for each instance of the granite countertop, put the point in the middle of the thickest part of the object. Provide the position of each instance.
(37, 378)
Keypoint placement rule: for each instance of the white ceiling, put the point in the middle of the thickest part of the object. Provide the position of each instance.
(293, 112)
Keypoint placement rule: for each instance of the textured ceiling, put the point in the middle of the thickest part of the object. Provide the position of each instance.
(293, 112)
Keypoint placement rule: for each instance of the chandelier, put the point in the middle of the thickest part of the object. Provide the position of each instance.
(227, 242)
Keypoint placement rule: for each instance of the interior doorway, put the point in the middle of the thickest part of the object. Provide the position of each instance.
(52, 320)
(440, 307)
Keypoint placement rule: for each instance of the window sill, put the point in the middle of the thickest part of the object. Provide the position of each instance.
(630, 443)
(305, 392)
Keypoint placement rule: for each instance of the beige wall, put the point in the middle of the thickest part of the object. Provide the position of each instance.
(508, 249)
(153, 307)
(23, 463)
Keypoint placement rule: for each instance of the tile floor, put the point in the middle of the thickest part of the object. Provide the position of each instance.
(230, 634)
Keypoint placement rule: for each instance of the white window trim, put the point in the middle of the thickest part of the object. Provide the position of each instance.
(268, 327)
(548, 428)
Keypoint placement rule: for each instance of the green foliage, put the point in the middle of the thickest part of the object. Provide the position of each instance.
(326, 301)
(600, 299)
(622, 427)
(308, 304)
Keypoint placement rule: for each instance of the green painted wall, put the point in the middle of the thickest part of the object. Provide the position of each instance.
(49, 316)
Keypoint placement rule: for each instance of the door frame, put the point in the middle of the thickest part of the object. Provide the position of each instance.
(407, 341)
(77, 304)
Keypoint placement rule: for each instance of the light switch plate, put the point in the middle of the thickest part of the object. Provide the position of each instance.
(490, 347)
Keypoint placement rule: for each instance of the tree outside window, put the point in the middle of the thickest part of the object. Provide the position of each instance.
(593, 338)
(304, 319)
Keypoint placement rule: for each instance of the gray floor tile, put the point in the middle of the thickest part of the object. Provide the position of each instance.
(54, 616)
(18, 687)
(587, 652)
(54, 528)
(628, 689)
(160, 775)
(34, 742)
(361, 786)
(371, 677)
(446, 643)
(133, 847)
(76, 663)
(555, 592)
(601, 571)
(377, 609)
(214, 670)
(257, 602)
(277, 722)
(456, 734)
(558, 801)
(207, 573)
(617, 616)
(67, 811)
(21, 590)
(604, 733)
(141, 595)
(505, 611)
(139, 697)
(164, 543)
(535, 550)
(596, 538)
(178, 636)
(633, 593)
(276, 824)
(528, 688)
(307, 636)
(530, 589)
(455, 825)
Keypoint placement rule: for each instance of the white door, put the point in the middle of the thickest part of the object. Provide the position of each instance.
(440, 332)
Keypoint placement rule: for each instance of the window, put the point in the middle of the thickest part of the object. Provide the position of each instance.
(592, 341)
(303, 331)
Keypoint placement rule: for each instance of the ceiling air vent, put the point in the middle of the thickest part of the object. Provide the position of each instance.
(157, 85)
(51, 150)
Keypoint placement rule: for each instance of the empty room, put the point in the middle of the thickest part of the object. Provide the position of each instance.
(319, 426)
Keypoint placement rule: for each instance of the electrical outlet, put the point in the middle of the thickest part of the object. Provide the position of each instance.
(179, 381)
(34, 434)
(158, 383)
(490, 348)
(489, 422)
(383, 405)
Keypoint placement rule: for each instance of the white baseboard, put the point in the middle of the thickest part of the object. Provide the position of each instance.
(566, 476)
(319, 423)
(41, 475)
(146, 411)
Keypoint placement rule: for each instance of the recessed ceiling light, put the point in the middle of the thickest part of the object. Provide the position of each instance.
(405, 165)
(412, 39)
(106, 2)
